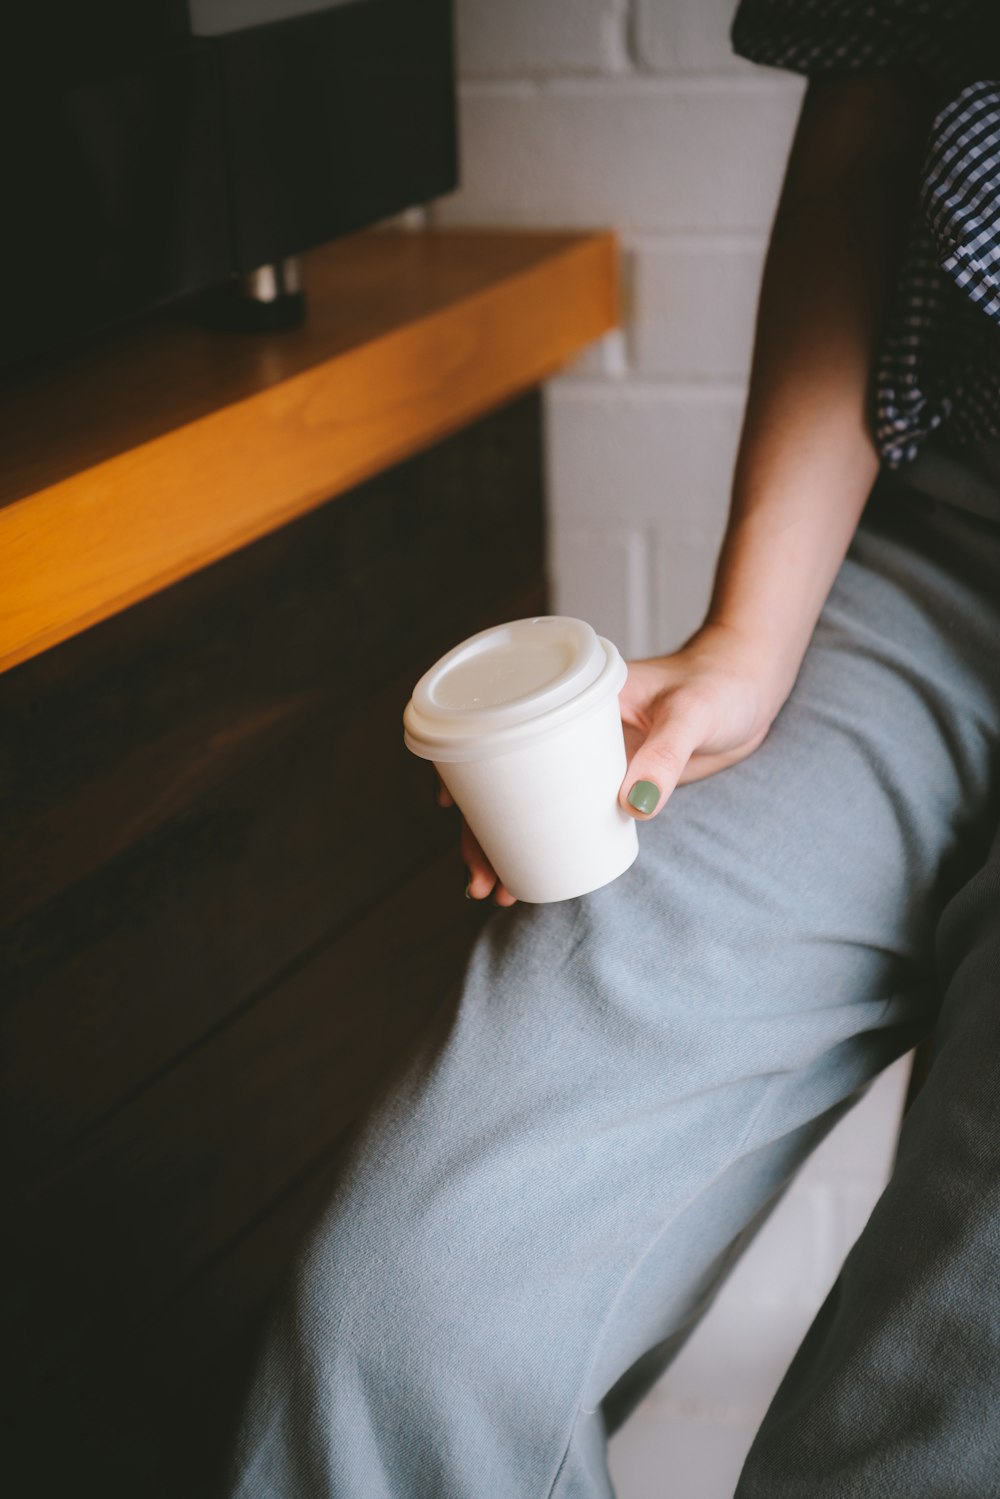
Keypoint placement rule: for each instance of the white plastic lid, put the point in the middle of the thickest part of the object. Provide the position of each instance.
(508, 683)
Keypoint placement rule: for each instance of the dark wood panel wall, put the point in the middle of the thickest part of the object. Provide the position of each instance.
(228, 904)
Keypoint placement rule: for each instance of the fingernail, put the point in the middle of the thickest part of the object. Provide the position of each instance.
(644, 796)
(468, 886)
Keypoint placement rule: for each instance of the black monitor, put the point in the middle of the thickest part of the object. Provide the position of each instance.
(153, 149)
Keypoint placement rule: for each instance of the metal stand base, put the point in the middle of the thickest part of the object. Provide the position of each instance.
(264, 300)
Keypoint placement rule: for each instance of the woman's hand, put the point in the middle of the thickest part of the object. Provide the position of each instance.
(482, 875)
(685, 716)
(696, 711)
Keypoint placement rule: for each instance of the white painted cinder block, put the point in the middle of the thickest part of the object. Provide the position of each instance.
(642, 456)
(863, 1145)
(733, 1364)
(694, 303)
(675, 1457)
(656, 462)
(526, 38)
(602, 576)
(686, 36)
(785, 1267)
(637, 154)
(680, 587)
(607, 357)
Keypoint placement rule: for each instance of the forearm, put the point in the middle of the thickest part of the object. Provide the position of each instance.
(807, 458)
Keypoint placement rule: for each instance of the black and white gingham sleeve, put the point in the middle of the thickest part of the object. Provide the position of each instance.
(938, 364)
(815, 36)
(960, 192)
(926, 37)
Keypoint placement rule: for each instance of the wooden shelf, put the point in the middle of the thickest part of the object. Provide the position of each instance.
(147, 458)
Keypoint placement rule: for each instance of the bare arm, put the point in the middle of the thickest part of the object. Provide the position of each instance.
(806, 458)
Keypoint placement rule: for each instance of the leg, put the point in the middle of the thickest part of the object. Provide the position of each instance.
(570, 1162)
(894, 1390)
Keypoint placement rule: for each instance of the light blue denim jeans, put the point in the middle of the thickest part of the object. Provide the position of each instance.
(540, 1207)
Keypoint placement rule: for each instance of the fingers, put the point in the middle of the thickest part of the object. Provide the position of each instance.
(482, 879)
(659, 762)
(444, 796)
(482, 876)
(701, 766)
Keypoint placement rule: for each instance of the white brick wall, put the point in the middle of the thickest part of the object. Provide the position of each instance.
(693, 299)
(634, 114)
(529, 38)
(638, 153)
(687, 37)
(651, 462)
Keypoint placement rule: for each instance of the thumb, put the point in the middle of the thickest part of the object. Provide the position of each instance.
(659, 762)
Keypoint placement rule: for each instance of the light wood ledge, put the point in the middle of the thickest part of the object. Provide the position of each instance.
(140, 461)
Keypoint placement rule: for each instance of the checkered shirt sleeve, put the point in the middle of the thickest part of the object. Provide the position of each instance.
(938, 365)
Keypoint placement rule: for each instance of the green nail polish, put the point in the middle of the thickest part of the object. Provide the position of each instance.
(468, 891)
(644, 796)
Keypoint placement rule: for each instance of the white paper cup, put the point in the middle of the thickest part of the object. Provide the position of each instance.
(523, 726)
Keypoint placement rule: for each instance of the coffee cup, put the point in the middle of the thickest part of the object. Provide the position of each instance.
(523, 726)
